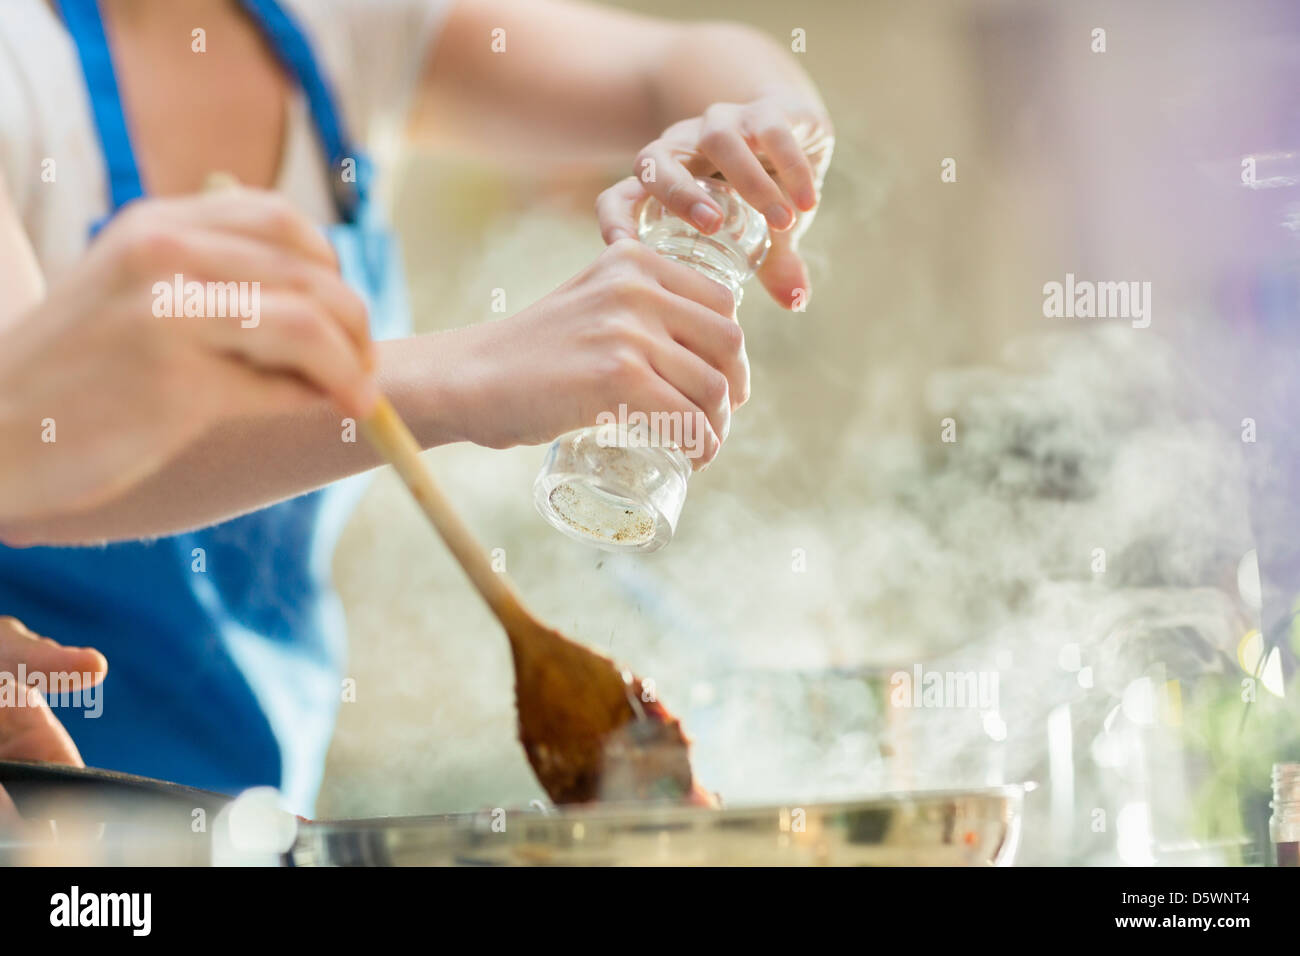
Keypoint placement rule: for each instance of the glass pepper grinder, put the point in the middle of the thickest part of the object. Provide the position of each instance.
(620, 484)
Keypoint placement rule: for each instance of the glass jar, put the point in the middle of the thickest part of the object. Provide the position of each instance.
(620, 484)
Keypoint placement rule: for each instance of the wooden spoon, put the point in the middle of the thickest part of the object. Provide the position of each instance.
(584, 724)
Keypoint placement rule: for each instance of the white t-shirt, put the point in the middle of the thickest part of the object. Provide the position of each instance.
(371, 52)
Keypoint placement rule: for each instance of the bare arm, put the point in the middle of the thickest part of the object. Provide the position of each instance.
(608, 336)
(578, 81)
(243, 464)
(574, 81)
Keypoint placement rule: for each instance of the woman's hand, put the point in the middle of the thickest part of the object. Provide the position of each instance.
(28, 728)
(775, 153)
(106, 378)
(632, 329)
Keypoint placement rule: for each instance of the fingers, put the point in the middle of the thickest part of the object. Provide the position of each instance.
(703, 385)
(284, 267)
(78, 667)
(616, 210)
(755, 147)
(717, 340)
(225, 257)
(28, 728)
(298, 336)
(721, 140)
(719, 344)
(298, 315)
(774, 138)
(682, 322)
(256, 214)
(785, 276)
(675, 186)
(698, 437)
(706, 324)
(30, 731)
(689, 283)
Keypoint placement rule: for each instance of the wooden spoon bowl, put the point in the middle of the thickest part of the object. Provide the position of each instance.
(585, 725)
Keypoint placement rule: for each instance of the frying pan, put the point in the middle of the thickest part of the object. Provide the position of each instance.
(88, 816)
(31, 783)
(141, 820)
(951, 828)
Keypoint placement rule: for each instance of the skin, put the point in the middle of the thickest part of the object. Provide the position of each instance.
(168, 380)
(697, 97)
(20, 274)
(631, 328)
(32, 732)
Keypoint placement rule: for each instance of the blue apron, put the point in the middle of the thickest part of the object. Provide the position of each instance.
(225, 646)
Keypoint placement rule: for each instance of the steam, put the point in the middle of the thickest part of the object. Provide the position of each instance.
(974, 556)
(836, 541)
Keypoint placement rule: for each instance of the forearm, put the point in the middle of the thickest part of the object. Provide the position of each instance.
(576, 82)
(244, 465)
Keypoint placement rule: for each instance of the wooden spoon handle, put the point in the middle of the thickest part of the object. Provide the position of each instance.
(385, 430)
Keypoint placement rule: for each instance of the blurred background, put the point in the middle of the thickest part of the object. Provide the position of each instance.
(1084, 539)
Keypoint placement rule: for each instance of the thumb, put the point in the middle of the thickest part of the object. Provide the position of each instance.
(616, 210)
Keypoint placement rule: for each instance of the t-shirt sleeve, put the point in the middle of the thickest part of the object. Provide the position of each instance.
(19, 164)
(375, 52)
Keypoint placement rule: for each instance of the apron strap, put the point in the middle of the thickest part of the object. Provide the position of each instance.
(86, 26)
(87, 29)
(294, 52)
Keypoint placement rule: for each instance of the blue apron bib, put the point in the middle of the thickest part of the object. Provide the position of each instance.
(226, 645)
